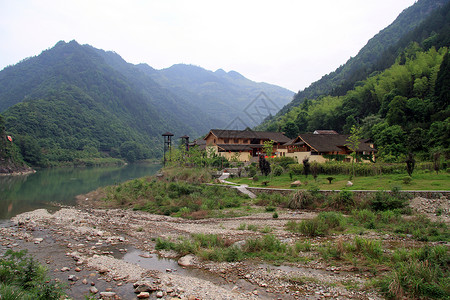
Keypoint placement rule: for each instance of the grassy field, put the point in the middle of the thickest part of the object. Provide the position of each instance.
(419, 181)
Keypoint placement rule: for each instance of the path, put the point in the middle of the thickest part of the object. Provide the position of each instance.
(242, 188)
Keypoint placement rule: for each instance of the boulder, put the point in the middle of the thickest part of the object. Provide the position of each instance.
(187, 260)
(296, 183)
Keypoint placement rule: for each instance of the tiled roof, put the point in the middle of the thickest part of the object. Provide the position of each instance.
(331, 142)
(239, 147)
(250, 134)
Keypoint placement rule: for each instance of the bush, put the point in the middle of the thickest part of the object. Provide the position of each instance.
(421, 273)
(344, 200)
(277, 171)
(22, 277)
(387, 201)
(301, 200)
(319, 226)
(296, 169)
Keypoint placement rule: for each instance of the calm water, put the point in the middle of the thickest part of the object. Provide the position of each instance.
(19, 194)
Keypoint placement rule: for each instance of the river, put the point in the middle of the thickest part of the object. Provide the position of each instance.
(46, 187)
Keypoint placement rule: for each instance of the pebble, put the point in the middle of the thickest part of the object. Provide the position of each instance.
(159, 294)
(93, 290)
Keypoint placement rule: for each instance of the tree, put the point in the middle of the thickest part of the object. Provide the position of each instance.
(410, 163)
(353, 142)
(306, 166)
(437, 161)
(268, 147)
(290, 129)
(390, 140)
(264, 166)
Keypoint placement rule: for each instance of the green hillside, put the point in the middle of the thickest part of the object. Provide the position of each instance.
(403, 108)
(71, 102)
(380, 52)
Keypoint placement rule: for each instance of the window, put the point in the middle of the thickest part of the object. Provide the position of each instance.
(236, 141)
(226, 141)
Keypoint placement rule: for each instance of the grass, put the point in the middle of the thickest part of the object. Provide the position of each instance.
(420, 181)
(178, 194)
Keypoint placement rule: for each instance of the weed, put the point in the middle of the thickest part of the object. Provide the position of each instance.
(266, 229)
(252, 227)
(242, 226)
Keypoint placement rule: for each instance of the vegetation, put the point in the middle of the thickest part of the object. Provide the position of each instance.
(21, 277)
(77, 102)
(370, 177)
(10, 158)
(400, 101)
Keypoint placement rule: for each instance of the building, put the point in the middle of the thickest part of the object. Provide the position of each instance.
(244, 145)
(320, 147)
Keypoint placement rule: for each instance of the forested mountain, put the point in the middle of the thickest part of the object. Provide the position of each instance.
(404, 108)
(75, 101)
(379, 53)
(224, 95)
(71, 101)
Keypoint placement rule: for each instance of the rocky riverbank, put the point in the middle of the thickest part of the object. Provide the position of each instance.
(87, 249)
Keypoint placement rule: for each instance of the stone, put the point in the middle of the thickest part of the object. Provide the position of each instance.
(187, 260)
(143, 295)
(38, 240)
(144, 286)
(107, 295)
(73, 278)
(296, 183)
(65, 269)
(93, 290)
(159, 294)
(349, 183)
(84, 281)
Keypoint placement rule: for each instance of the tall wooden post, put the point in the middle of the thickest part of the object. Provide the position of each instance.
(167, 144)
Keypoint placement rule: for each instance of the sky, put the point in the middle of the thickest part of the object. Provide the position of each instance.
(290, 43)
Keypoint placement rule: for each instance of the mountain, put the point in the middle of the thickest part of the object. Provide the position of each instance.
(225, 95)
(73, 99)
(75, 102)
(378, 54)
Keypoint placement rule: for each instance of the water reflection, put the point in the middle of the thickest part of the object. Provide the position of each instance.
(24, 193)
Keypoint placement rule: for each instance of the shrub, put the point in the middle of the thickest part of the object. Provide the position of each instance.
(301, 200)
(421, 273)
(296, 169)
(251, 171)
(277, 171)
(21, 277)
(387, 201)
(344, 200)
(270, 208)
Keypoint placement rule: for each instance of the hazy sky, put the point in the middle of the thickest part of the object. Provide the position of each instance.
(291, 43)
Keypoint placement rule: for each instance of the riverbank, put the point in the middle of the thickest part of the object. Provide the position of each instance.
(86, 249)
(83, 243)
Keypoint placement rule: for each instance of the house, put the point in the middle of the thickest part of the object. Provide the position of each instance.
(244, 145)
(317, 146)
